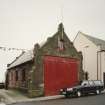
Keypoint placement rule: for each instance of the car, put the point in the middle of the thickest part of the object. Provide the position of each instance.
(1, 85)
(84, 88)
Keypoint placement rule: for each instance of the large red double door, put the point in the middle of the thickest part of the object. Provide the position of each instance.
(59, 73)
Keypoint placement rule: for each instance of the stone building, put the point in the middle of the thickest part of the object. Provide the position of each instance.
(47, 68)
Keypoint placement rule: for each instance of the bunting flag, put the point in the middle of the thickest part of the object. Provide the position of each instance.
(11, 49)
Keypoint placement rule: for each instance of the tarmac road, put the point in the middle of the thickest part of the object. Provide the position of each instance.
(87, 100)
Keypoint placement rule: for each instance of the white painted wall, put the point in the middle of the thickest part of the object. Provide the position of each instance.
(102, 65)
(89, 51)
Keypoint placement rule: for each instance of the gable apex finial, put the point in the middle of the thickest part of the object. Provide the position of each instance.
(60, 27)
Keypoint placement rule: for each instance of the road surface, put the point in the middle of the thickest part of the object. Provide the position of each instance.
(87, 100)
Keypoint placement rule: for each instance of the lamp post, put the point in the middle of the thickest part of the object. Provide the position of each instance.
(99, 61)
(99, 64)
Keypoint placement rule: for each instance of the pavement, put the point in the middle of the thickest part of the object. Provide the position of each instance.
(13, 96)
(86, 100)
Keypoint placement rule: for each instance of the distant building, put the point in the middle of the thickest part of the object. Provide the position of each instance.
(47, 68)
(93, 50)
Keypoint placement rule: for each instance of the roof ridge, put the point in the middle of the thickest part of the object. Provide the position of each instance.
(92, 36)
(16, 58)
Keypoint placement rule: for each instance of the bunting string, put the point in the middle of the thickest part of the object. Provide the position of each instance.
(12, 49)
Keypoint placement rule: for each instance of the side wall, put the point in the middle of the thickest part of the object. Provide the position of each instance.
(89, 51)
(18, 77)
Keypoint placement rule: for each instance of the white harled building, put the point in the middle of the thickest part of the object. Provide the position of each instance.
(93, 50)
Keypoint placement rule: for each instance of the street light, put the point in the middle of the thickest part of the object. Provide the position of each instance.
(99, 64)
(99, 52)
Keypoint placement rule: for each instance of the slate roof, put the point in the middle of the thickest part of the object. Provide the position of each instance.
(24, 57)
(96, 41)
(28, 56)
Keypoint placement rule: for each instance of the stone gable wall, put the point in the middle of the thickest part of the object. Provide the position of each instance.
(51, 48)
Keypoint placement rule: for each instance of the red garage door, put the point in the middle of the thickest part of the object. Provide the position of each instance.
(59, 73)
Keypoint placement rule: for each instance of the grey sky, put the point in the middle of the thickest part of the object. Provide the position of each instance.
(26, 22)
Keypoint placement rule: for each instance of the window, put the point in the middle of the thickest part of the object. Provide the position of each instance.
(23, 75)
(86, 75)
(84, 83)
(11, 75)
(16, 75)
(91, 82)
(60, 44)
(97, 82)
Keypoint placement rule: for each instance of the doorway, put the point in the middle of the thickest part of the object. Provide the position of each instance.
(59, 73)
(104, 78)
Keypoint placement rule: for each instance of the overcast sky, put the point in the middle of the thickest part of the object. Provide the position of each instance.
(26, 22)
